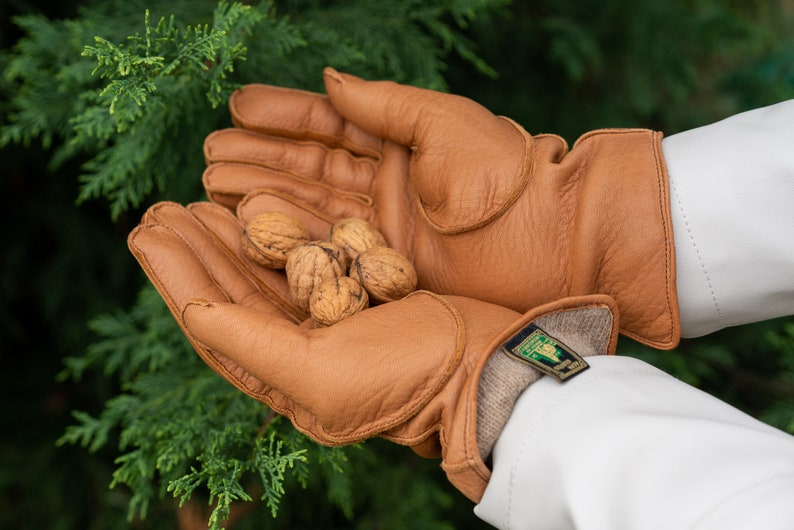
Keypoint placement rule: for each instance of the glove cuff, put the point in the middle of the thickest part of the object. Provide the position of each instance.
(571, 328)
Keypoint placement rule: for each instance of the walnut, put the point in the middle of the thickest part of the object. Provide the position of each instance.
(270, 237)
(386, 274)
(308, 265)
(355, 236)
(336, 299)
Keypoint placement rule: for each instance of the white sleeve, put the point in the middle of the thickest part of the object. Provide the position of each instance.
(732, 203)
(624, 446)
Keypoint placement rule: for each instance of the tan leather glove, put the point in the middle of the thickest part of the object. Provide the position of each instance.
(409, 371)
(483, 208)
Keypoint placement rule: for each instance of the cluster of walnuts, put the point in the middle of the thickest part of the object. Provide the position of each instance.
(334, 278)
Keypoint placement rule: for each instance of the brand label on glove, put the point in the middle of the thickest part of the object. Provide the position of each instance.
(545, 353)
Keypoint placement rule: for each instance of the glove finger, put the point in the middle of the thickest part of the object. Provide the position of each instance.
(269, 283)
(222, 262)
(305, 161)
(227, 183)
(154, 246)
(157, 248)
(300, 115)
(343, 383)
(409, 115)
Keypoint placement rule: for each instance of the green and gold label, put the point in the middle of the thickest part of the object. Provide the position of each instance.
(534, 346)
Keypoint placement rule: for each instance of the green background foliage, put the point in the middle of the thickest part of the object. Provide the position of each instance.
(111, 421)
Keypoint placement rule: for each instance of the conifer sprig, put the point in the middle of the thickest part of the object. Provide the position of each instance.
(197, 52)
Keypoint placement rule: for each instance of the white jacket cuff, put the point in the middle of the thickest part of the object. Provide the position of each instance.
(732, 203)
(626, 446)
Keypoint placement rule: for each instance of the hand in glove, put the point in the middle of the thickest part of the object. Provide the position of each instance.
(483, 209)
(437, 373)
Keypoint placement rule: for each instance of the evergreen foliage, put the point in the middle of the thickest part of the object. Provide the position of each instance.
(133, 113)
(109, 108)
(154, 85)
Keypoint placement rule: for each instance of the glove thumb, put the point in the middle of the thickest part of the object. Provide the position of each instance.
(314, 375)
(232, 335)
(412, 116)
(471, 165)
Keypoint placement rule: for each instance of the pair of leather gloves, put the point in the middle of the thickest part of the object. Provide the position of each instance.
(519, 245)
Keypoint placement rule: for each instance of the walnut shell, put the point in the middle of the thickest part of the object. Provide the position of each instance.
(308, 265)
(336, 299)
(271, 236)
(355, 236)
(386, 274)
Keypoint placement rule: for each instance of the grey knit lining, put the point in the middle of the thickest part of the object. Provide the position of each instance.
(586, 331)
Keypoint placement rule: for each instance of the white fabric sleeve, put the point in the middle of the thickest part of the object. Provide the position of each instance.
(624, 446)
(732, 203)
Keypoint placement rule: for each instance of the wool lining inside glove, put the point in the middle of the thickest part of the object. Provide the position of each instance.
(504, 377)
